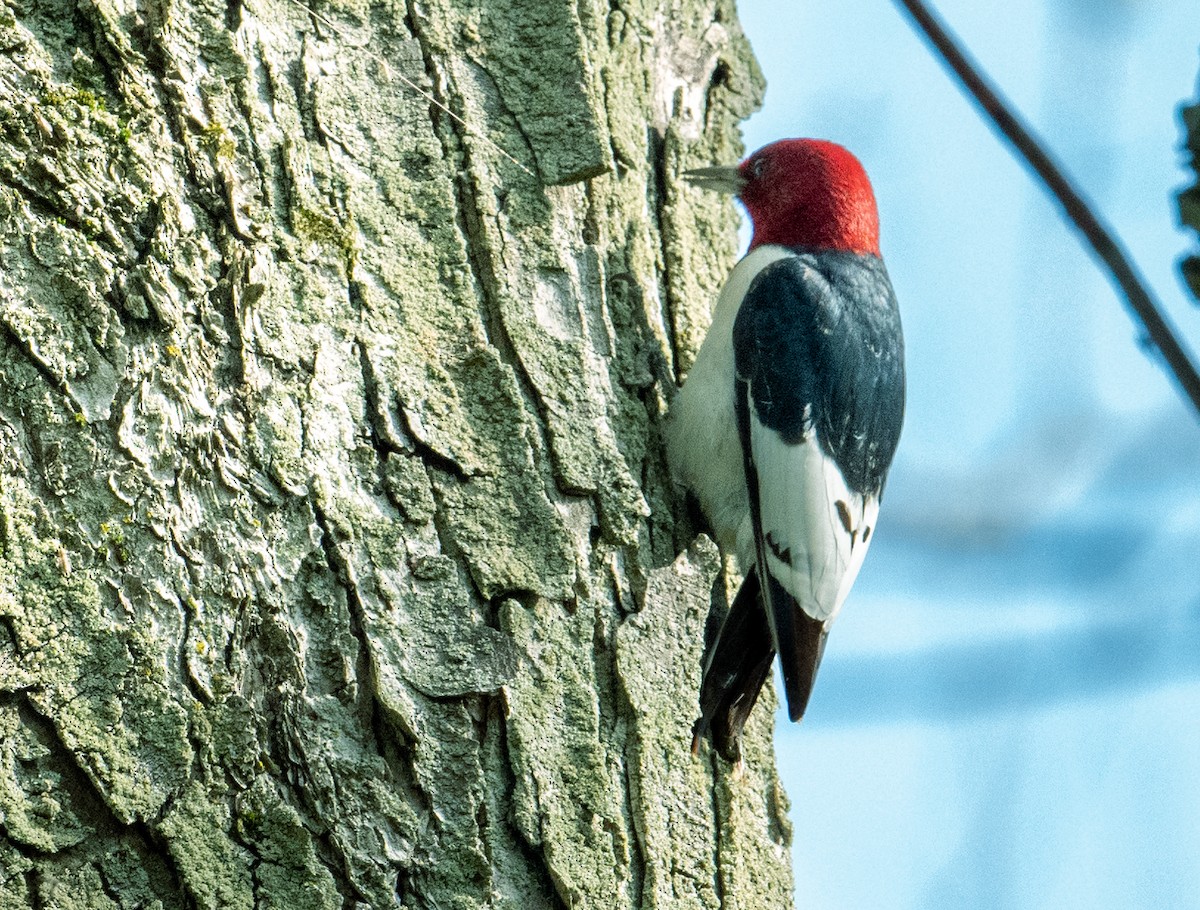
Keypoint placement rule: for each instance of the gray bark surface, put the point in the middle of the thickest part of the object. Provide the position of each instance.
(339, 566)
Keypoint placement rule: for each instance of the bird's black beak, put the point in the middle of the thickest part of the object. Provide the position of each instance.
(719, 179)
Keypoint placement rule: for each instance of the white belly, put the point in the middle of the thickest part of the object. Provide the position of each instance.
(701, 432)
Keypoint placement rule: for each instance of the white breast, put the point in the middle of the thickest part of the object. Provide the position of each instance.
(701, 432)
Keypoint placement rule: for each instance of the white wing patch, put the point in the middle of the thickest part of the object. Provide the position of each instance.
(815, 529)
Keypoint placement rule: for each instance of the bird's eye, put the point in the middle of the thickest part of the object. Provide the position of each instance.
(758, 167)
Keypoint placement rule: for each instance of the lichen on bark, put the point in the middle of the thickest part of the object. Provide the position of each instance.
(339, 565)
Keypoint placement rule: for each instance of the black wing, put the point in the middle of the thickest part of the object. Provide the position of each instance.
(819, 358)
(818, 341)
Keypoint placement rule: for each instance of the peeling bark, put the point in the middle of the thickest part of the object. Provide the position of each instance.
(339, 566)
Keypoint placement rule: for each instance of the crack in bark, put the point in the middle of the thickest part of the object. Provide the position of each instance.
(95, 808)
(43, 369)
(5, 881)
(382, 442)
(33, 888)
(32, 455)
(384, 726)
(670, 305)
(185, 665)
(484, 275)
(633, 831)
(330, 854)
(534, 858)
(428, 454)
(39, 204)
(368, 705)
(380, 435)
(718, 829)
(339, 567)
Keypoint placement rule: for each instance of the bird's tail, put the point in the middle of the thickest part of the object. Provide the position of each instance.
(801, 641)
(737, 666)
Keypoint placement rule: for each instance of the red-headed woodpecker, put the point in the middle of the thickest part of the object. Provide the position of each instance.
(788, 420)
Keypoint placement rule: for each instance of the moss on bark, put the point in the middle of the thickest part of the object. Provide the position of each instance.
(338, 561)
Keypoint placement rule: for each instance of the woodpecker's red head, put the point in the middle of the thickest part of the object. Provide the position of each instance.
(802, 193)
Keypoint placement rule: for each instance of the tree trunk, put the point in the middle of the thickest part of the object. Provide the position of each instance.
(339, 566)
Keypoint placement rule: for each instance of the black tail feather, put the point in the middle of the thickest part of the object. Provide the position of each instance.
(801, 641)
(736, 669)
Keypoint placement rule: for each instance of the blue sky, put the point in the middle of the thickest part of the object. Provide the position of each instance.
(1007, 712)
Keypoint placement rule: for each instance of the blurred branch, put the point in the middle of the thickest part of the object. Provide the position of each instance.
(1020, 673)
(1189, 199)
(1145, 308)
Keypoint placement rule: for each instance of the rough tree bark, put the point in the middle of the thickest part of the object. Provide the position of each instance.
(338, 562)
